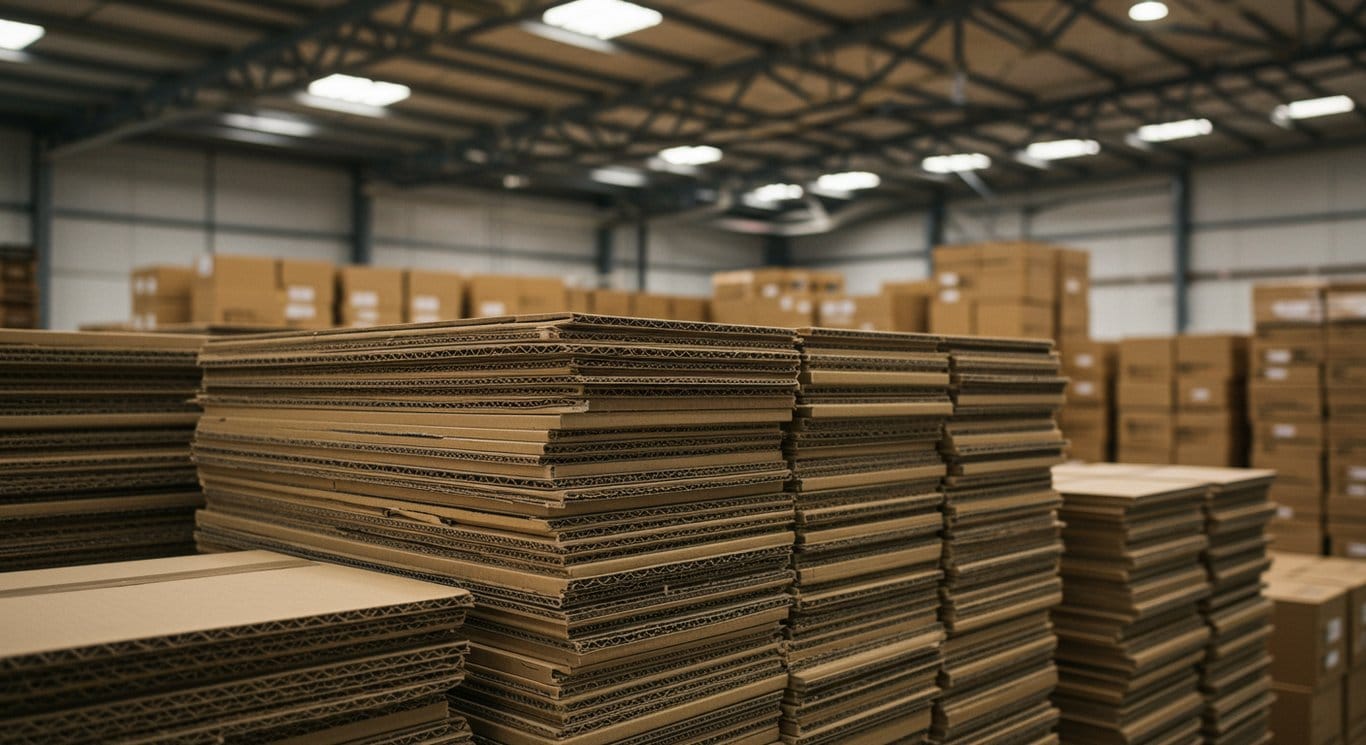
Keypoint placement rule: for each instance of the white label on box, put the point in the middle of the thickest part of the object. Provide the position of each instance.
(1285, 513)
(804, 306)
(1085, 360)
(1356, 473)
(426, 317)
(1346, 306)
(949, 279)
(1356, 490)
(1297, 310)
(868, 326)
(364, 299)
(302, 293)
(1333, 631)
(770, 290)
(206, 265)
(949, 296)
(1200, 395)
(426, 303)
(368, 314)
(1086, 388)
(149, 286)
(787, 302)
(1331, 660)
(1072, 285)
(1278, 356)
(1283, 431)
(1276, 373)
(1356, 550)
(492, 308)
(300, 311)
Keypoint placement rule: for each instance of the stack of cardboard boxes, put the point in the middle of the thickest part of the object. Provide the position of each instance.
(1017, 289)
(1345, 393)
(18, 290)
(430, 295)
(369, 296)
(1146, 400)
(773, 296)
(1318, 647)
(504, 295)
(262, 291)
(1088, 418)
(1286, 408)
(162, 296)
(640, 305)
(1211, 381)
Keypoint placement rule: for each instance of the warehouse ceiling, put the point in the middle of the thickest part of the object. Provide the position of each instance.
(788, 90)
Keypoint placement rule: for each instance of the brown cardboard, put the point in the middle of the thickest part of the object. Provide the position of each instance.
(578, 300)
(1209, 439)
(952, 313)
(1022, 273)
(1212, 355)
(1089, 358)
(826, 282)
(957, 267)
(430, 295)
(237, 289)
(691, 309)
(1288, 345)
(1074, 277)
(1350, 576)
(310, 289)
(1305, 716)
(1354, 701)
(1346, 536)
(1150, 396)
(1308, 375)
(1088, 390)
(490, 295)
(1310, 647)
(1289, 431)
(910, 304)
(162, 295)
(370, 287)
(1013, 319)
(650, 305)
(1345, 302)
(540, 295)
(1278, 400)
(1346, 473)
(614, 302)
(1202, 392)
(1147, 360)
(1288, 303)
(765, 283)
(791, 311)
(1297, 535)
(865, 312)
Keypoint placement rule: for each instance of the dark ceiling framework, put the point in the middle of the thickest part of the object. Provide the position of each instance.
(617, 120)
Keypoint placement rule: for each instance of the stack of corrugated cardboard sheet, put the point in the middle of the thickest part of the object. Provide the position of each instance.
(612, 490)
(1001, 542)
(245, 647)
(863, 639)
(95, 447)
(1131, 635)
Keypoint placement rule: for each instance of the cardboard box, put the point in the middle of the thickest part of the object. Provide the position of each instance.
(540, 295)
(650, 305)
(430, 295)
(1012, 319)
(1299, 471)
(691, 309)
(1351, 576)
(1288, 345)
(1210, 439)
(1021, 273)
(241, 290)
(952, 313)
(1345, 302)
(1303, 535)
(1147, 360)
(501, 295)
(765, 282)
(1309, 374)
(1346, 365)
(369, 296)
(1084, 357)
(578, 300)
(1346, 476)
(1084, 390)
(310, 289)
(1354, 704)
(1295, 432)
(864, 312)
(1309, 648)
(162, 295)
(1148, 430)
(1212, 355)
(1306, 716)
(1275, 400)
(786, 311)
(826, 282)
(1201, 393)
(957, 267)
(1073, 322)
(1087, 429)
(614, 302)
(910, 304)
(1132, 395)
(1073, 277)
(1288, 303)
(1346, 537)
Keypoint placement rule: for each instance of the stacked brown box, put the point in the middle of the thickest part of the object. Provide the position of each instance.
(1073, 306)
(1350, 575)
(615, 302)
(1087, 419)
(954, 307)
(1345, 400)
(771, 296)
(1316, 703)
(490, 295)
(237, 290)
(1015, 289)
(1146, 400)
(161, 295)
(18, 289)
(430, 296)
(369, 296)
(310, 289)
(1285, 408)
(1211, 413)
(863, 312)
(909, 304)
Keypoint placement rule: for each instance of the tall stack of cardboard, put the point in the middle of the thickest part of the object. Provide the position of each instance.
(611, 489)
(18, 289)
(1211, 407)
(1286, 405)
(430, 296)
(95, 447)
(161, 295)
(1015, 288)
(369, 296)
(1001, 542)
(863, 639)
(244, 647)
(1146, 400)
(772, 296)
(1345, 396)
(1088, 418)
(1130, 633)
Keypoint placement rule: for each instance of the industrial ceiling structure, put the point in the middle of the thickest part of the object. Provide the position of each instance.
(679, 103)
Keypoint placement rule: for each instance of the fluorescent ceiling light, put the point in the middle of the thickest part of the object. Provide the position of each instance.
(1148, 11)
(15, 35)
(270, 124)
(956, 163)
(1060, 149)
(364, 91)
(1313, 107)
(690, 155)
(344, 107)
(848, 181)
(601, 19)
(778, 192)
(1177, 130)
(617, 176)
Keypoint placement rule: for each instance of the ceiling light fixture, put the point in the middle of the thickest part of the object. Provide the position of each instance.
(15, 35)
(618, 176)
(358, 90)
(1061, 149)
(848, 181)
(690, 155)
(1148, 11)
(601, 19)
(1311, 108)
(270, 124)
(1178, 130)
(956, 163)
(778, 192)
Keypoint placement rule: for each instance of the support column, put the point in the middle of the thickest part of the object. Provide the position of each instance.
(642, 251)
(1181, 242)
(605, 260)
(777, 251)
(934, 229)
(362, 220)
(40, 225)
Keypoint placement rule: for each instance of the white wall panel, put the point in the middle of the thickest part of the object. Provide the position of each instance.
(1221, 305)
(257, 191)
(1118, 311)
